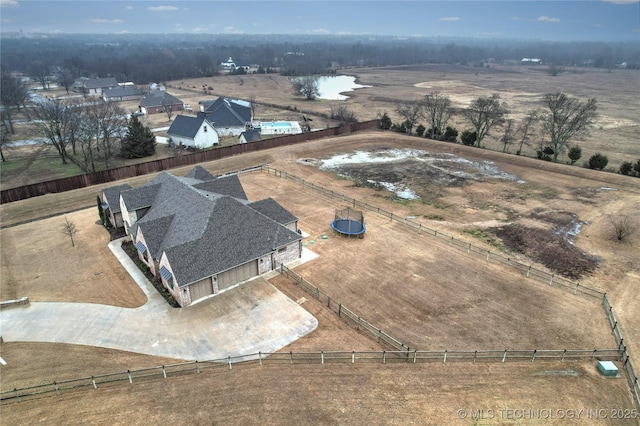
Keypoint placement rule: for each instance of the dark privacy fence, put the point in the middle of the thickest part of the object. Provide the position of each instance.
(112, 175)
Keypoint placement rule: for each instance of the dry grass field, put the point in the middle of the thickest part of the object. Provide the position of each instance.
(419, 290)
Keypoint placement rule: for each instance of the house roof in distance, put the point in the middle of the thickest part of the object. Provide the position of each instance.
(157, 97)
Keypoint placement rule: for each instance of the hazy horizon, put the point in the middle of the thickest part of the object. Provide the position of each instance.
(614, 20)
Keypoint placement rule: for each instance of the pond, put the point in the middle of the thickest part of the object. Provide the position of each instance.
(331, 88)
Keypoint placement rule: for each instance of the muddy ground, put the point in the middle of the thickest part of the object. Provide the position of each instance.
(471, 304)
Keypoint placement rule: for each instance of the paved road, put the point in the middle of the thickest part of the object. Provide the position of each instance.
(247, 319)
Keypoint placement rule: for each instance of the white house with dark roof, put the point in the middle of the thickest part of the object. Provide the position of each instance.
(247, 136)
(121, 93)
(230, 117)
(200, 235)
(194, 132)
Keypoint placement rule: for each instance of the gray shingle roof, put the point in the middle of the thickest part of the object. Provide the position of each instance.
(206, 227)
(227, 185)
(121, 91)
(200, 173)
(251, 135)
(155, 99)
(270, 208)
(228, 113)
(94, 83)
(236, 234)
(185, 126)
(112, 194)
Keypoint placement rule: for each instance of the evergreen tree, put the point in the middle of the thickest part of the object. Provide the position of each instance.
(139, 141)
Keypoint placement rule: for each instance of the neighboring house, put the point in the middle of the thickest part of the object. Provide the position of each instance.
(250, 136)
(121, 93)
(531, 61)
(94, 86)
(194, 132)
(230, 117)
(158, 101)
(200, 235)
(111, 204)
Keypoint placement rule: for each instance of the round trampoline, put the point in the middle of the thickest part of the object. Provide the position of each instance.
(348, 222)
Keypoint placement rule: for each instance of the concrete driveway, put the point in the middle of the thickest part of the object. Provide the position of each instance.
(244, 320)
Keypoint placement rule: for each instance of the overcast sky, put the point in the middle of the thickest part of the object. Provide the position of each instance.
(567, 20)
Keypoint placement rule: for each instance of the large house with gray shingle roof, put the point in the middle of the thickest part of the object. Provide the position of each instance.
(111, 203)
(230, 117)
(194, 132)
(200, 235)
(160, 101)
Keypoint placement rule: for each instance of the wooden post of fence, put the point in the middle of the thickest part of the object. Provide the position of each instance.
(260, 357)
(435, 234)
(533, 358)
(358, 323)
(445, 356)
(391, 218)
(130, 378)
(593, 355)
(164, 372)
(551, 280)
(528, 271)
(415, 355)
(322, 357)
(339, 310)
(291, 357)
(576, 290)
(475, 354)
(384, 356)
(197, 367)
(353, 357)
(379, 334)
(563, 354)
(469, 249)
(328, 302)
(57, 390)
(94, 383)
(504, 356)
(488, 253)
(419, 229)
(229, 362)
(17, 394)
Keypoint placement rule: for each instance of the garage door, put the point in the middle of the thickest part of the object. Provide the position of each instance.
(236, 275)
(201, 289)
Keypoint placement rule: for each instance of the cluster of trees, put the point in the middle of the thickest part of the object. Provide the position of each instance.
(160, 57)
(89, 132)
(562, 120)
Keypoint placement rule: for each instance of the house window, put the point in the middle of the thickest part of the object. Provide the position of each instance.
(282, 250)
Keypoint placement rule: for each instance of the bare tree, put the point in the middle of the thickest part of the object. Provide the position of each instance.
(69, 229)
(4, 140)
(411, 112)
(527, 128)
(56, 119)
(508, 136)
(623, 226)
(40, 72)
(66, 80)
(438, 111)
(306, 86)
(252, 104)
(87, 134)
(13, 93)
(484, 113)
(343, 114)
(167, 104)
(565, 119)
(110, 121)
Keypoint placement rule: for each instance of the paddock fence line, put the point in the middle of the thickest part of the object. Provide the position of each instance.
(490, 256)
(632, 377)
(111, 175)
(347, 315)
(316, 357)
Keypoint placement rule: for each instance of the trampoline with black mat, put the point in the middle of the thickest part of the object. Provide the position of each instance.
(349, 222)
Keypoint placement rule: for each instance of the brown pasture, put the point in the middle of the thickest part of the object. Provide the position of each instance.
(418, 290)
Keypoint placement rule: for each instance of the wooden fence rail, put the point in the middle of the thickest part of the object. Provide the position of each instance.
(317, 357)
(490, 256)
(111, 175)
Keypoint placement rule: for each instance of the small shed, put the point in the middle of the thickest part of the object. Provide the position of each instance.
(250, 136)
(607, 368)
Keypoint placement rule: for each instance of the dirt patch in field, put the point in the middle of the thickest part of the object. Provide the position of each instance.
(449, 311)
